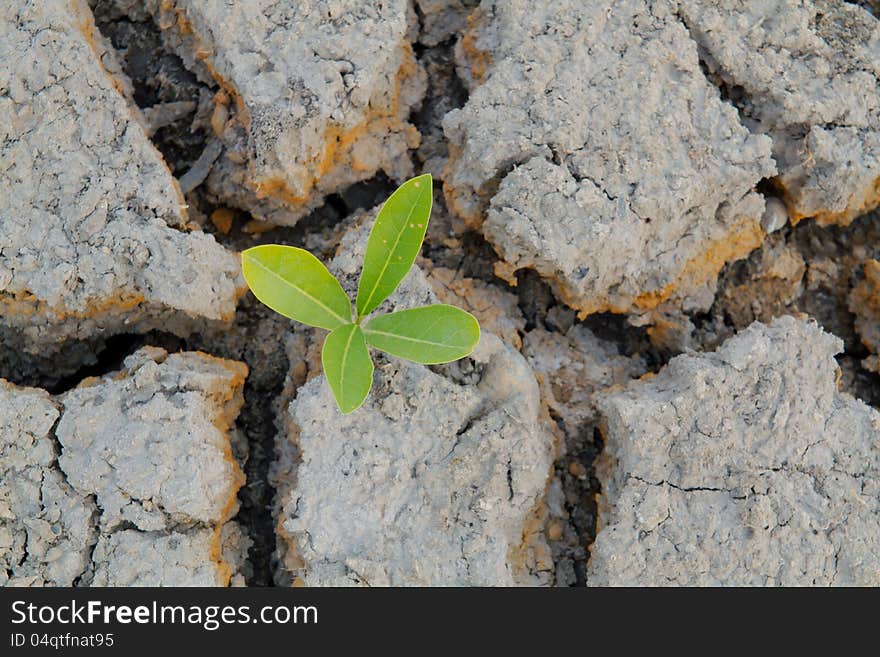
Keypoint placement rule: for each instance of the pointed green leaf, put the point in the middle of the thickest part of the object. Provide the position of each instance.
(347, 366)
(394, 242)
(429, 335)
(294, 283)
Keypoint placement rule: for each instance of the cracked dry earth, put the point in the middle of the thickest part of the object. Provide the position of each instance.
(661, 212)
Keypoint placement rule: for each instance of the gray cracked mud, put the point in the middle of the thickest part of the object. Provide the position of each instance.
(576, 147)
(808, 77)
(576, 150)
(124, 481)
(746, 466)
(93, 221)
(314, 96)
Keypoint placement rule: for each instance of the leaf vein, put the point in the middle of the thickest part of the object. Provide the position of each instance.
(391, 252)
(411, 339)
(344, 359)
(299, 289)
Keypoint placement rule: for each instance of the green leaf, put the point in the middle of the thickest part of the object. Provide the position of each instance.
(394, 242)
(294, 283)
(347, 366)
(429, 335)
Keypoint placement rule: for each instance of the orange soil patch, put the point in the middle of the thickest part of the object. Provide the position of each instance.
(745, 236)
(479, 60)
(742, 239)
(858, 204)
(26, 304)
(222, 219)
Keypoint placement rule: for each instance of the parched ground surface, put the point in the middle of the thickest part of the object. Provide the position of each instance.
(660, 211)
(92, 220)
(745, 466)
(125, 480)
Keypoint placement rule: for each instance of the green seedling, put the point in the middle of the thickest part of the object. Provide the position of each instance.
(296, 284)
